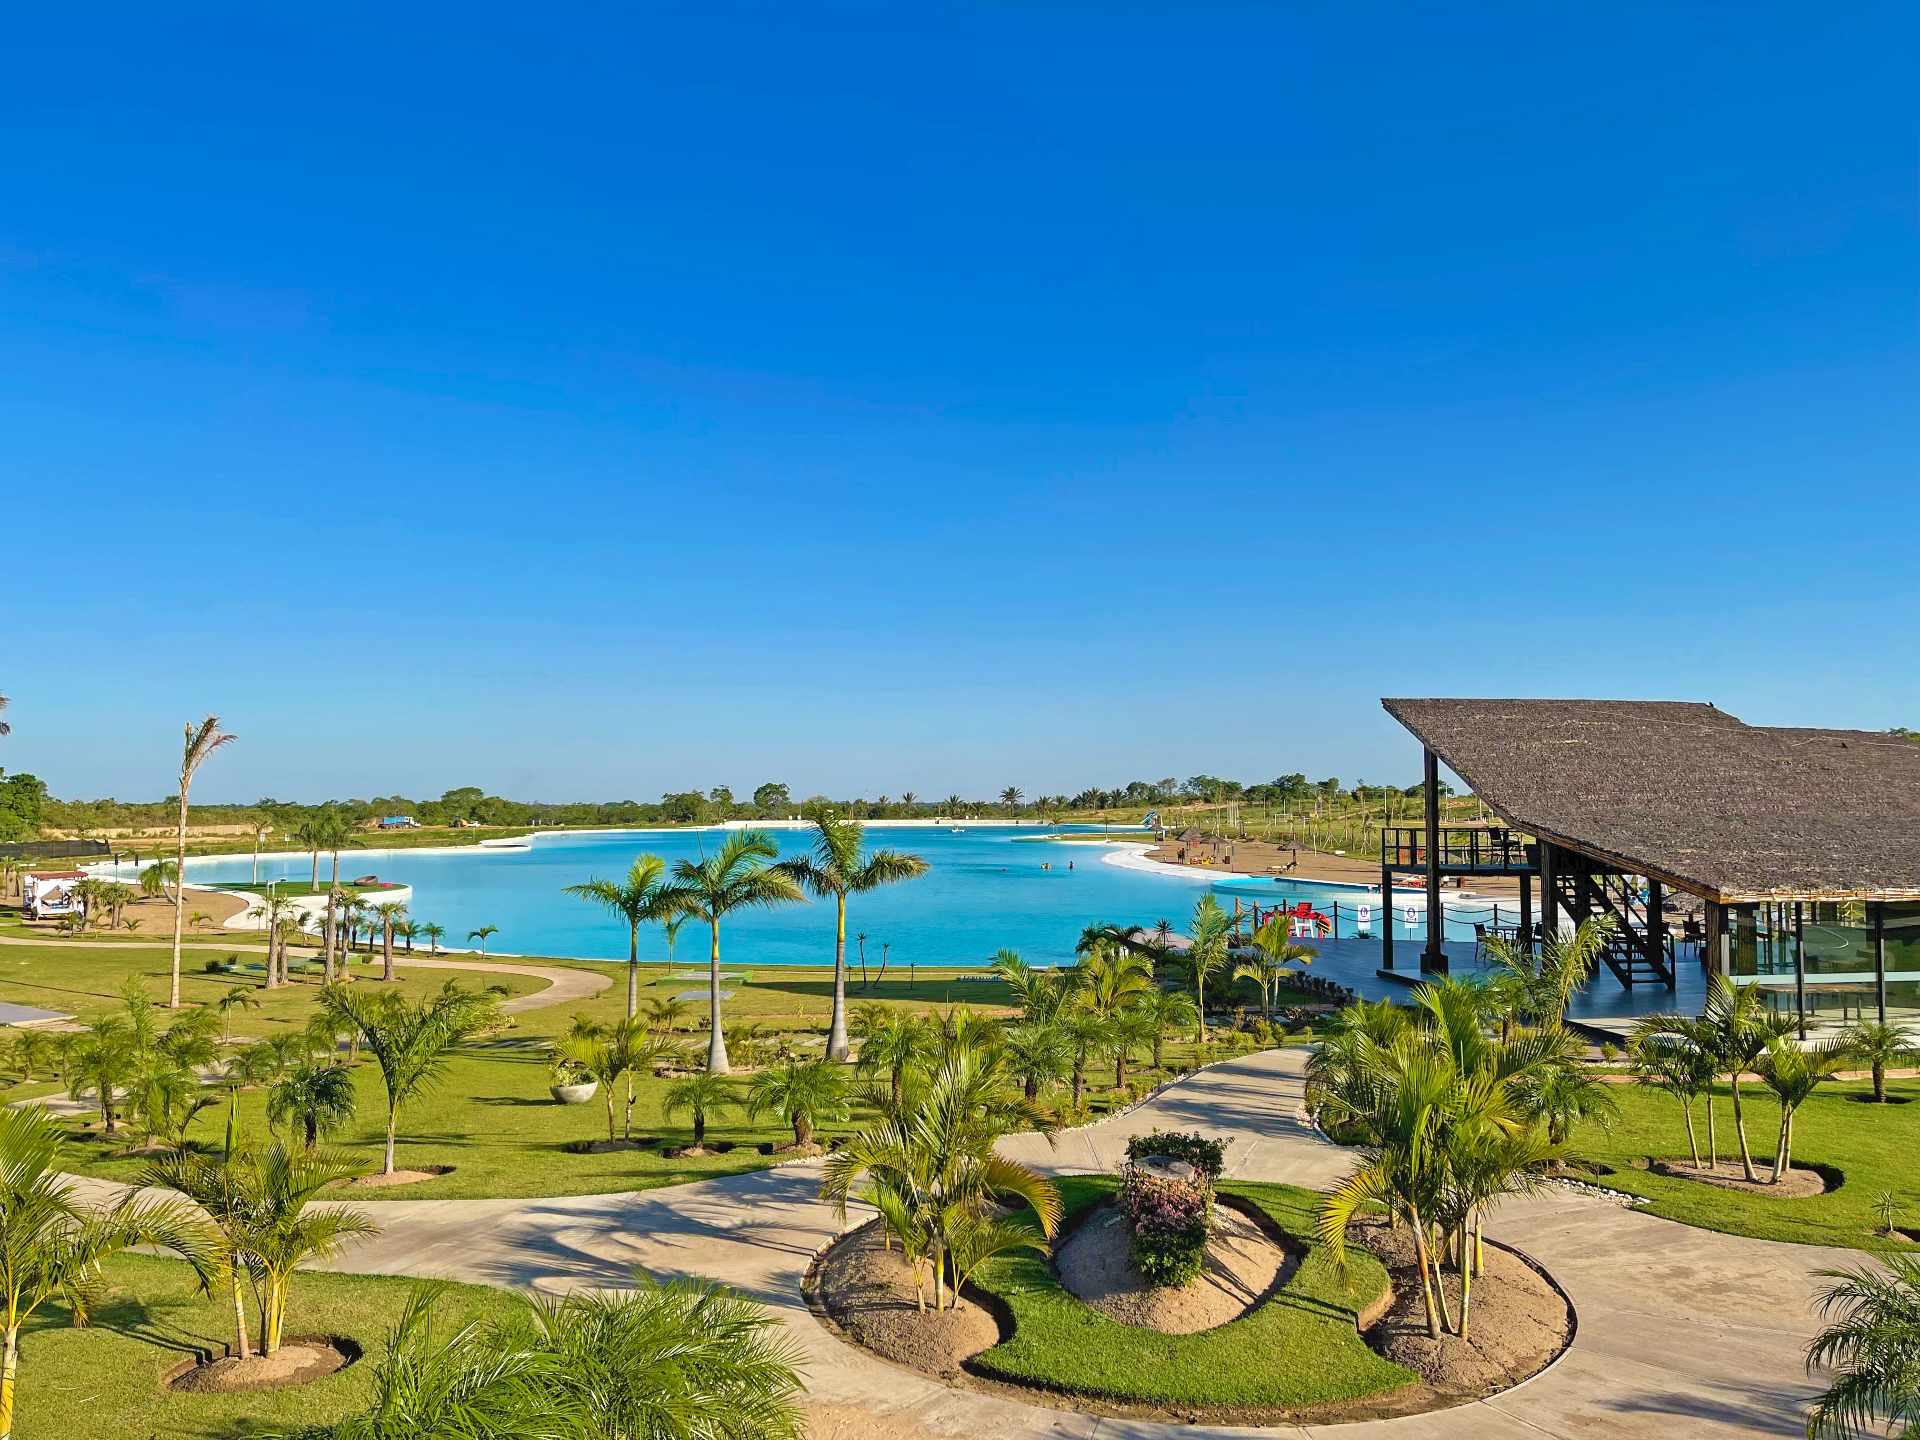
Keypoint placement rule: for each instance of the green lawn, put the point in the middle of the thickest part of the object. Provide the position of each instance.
(103, 1382)
(1875, 1146)
(1300, 1349)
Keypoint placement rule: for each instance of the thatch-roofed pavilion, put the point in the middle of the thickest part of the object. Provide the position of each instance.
(1802, 844)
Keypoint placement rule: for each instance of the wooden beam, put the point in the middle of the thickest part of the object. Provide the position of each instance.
(1435, 956)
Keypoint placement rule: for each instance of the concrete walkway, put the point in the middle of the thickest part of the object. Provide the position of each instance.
(1682, 1332)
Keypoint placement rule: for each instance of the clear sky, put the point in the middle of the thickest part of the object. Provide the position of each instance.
(586, 401)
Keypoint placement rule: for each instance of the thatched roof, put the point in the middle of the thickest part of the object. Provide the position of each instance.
(1690, 795)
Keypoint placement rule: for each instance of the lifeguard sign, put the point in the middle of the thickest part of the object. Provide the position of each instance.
(49, 894)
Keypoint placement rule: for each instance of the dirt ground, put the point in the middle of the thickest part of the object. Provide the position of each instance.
(1796, 1184)
(400, 1177)
(1517, 1324)
(297, 1362)
(1242, 1267)
(1261, 857)
(868, 1292)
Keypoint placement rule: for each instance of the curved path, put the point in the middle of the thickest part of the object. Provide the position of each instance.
(1682, 1332)
(564, 986)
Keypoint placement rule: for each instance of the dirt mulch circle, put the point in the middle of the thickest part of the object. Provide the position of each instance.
(608, 1147)
(1867, 1099)
(299, 1361)
(400, 1177)
(699, 1152)
(868, 1293)
(1243, 1266)
(1796, 1184)
(1519, 1322)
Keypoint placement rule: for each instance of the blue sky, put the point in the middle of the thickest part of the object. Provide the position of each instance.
(589, 401)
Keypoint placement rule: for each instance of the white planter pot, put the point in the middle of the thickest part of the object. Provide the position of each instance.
(574, 1094)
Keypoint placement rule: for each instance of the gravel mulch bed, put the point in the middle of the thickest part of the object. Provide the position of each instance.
(1796, 1184)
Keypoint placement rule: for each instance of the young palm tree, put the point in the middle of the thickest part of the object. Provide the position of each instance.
(608, 1054)
(640, 899)
(51, 1245)
(1086, 1035)
(1207, 953)
(391, 915)
(838, 868)
(737, 877)
(802, 1094)
(202, 740)
(482, 935)
(664, 1014)
(1274, 952)
(1171, 1011)
(433, 933)
(894, 1042)
(1880, 1048)
(936, 1178)
(1040, 994)
(318, 1097)
(1684, 1071)
(1536, 986)
(411, 1042)
(1111, 979)
(1871, 1350)
(240, 997)
(1128, 1031)
(280, 1233)
(1037, 1054)
(700, 1095)
(102, 1066)
(1793, 1074)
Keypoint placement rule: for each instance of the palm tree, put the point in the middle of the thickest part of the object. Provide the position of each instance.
(608, 1054)
(319, 1097)
(1684, 1071)
(701, 1094)
(893, 1042)
(433, 934)
(1170, 1010)
(102, 1066)
(390, 914)
(1793, 1074)
(1127, 1031)
(1011, 797)
(837, 868)
(802, 1094)
(1111, 979)
(640, 899)
(202, 740)
(1736, 1022)
(1036, 1054)
(1274, 951)
(329, 831)
(738, 877)
(1085, 1034)
(1881, 1048)
(685, 1360)
(1871, 1350)
(412, 1043)
(935, 1177)
(240, 997)
(51, 1245)
(1207, 952)
(1536, 985)
(280, 1233)
(310, 834)
(482, 935)
(1040, 994)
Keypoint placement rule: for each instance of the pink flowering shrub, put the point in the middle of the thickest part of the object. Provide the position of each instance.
(1170, 1221)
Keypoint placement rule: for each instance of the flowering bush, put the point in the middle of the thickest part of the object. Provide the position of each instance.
(1206, 1156)
(1170, 1221)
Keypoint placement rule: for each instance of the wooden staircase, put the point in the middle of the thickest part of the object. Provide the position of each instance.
(1625, 952)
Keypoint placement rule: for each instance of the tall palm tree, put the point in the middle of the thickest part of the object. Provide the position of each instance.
(482, 935)
(838, 868)
(1871, 1350)
(1011, 797)
(390, 913)
(737, 877)
(333, 834)
(641, 899)
(51, 1245)
(201, 741)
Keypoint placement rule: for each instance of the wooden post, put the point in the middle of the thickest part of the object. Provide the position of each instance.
(1435, 955)
(1526, 909)
(1656, 928)
(1549, 890)
(1800, 965)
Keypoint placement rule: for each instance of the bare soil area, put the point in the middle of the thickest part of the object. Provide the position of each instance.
(1517, 1324)
(1243, 1266)
(400, 1177)
(868, 1292)
(297, 1362)
(1796, 1184)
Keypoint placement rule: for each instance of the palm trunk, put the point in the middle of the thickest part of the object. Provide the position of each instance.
(1780, 1147)
(274, 1315)
(837, 1047)
(1200, 1003)
(1426, 1274)
(9, 1369)
(633, 971)
(387, 953)
(1466, 1280)
(699, 1129)
(1693, 1144)
(243, 1342)
(1713, 1135)
(1740, 1129)
(607, 1091)
(626, 1119)
(717, 1041)
(393, 1119)
(179, 895)
(1879, 1083)
(1440, 1284)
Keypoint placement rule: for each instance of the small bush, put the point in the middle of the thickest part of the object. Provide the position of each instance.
(1170, 1220)
(1609, 1052)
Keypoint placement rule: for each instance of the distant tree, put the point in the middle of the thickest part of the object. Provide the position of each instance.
(201, 741)
(433, 933)
(771, 797)
(391, 914)
(1011, 797)
(483, 934)
(643, 898)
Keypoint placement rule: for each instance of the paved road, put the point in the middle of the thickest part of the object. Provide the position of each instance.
(1682, 1332)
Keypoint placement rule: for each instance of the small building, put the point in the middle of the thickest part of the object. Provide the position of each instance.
(51, 894)
(398, 822)
(1802, 846)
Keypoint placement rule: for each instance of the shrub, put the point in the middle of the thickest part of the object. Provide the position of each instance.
(1207, 1157)
(1170, 1220)
(1609, 1052)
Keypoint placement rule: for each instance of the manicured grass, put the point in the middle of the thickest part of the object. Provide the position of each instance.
(1874, 1145)
(103, 1382)
(1299, 1349)
(304, 889)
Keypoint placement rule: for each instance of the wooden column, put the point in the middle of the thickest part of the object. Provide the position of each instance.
(1549, 890)
(1656, 927)
(1435, 955)
(1719, 957)
(1526, 909)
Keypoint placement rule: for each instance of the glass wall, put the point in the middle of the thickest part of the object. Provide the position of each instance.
(1901, 922)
